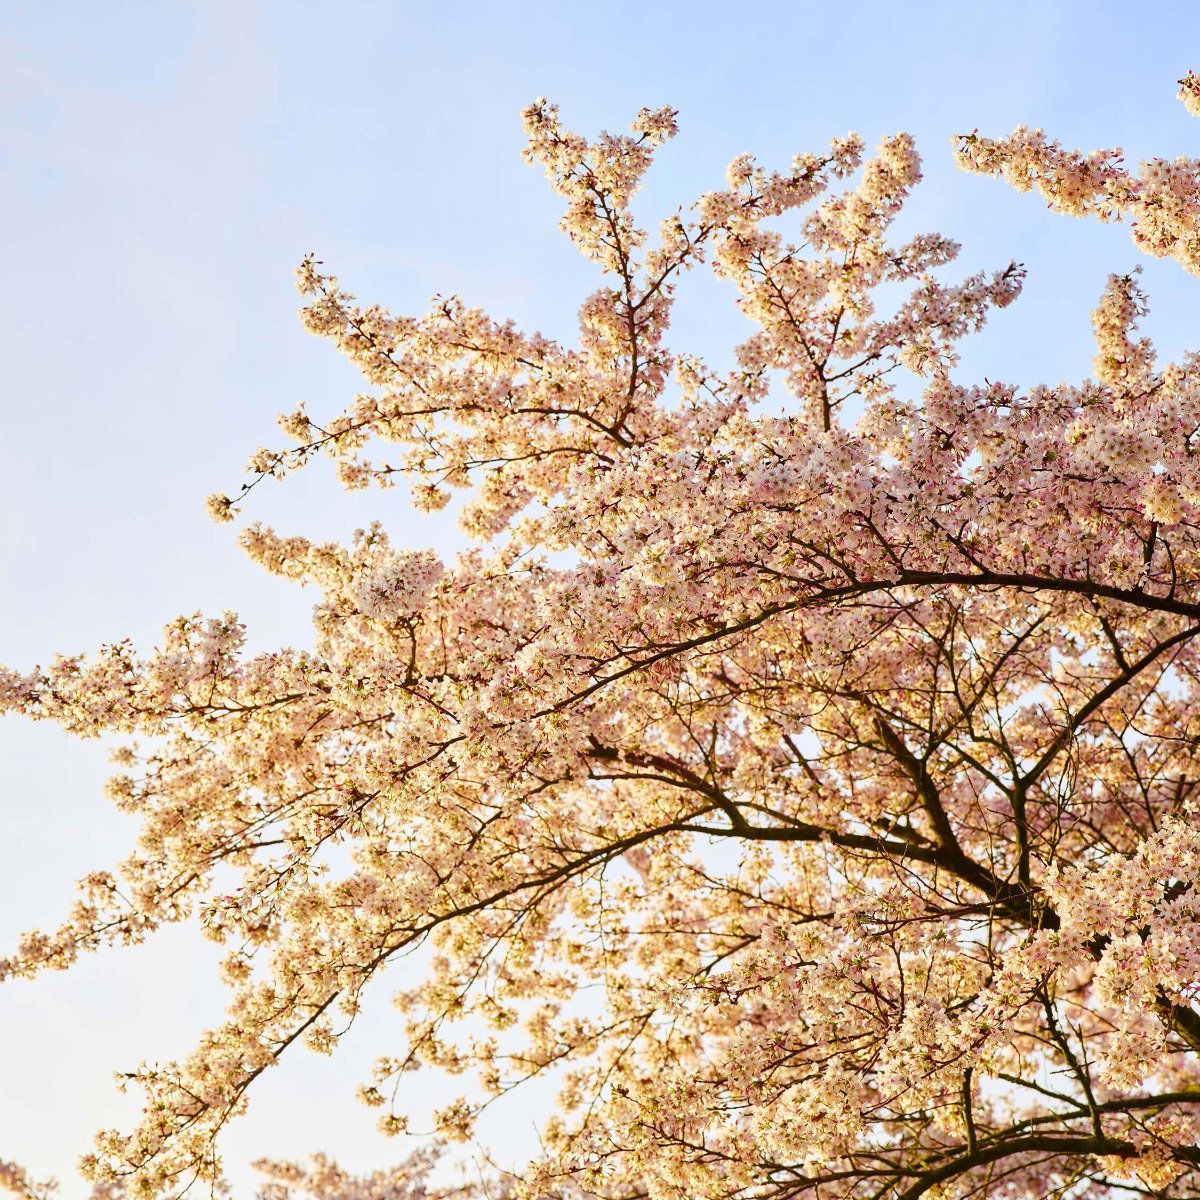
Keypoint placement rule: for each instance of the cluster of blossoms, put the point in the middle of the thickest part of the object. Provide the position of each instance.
(320, 1180)
(802, 768)
(15, 1180)
(1189, 93)
(398, 585)
(1162, 199)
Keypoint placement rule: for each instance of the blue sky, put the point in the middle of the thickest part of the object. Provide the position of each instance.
(164, 166)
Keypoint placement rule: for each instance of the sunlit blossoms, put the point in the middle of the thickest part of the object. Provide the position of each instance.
(1189, 93)
(801, 769)
(398, 585)
(1162, 200)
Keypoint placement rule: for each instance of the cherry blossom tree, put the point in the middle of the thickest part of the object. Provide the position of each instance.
(801, 768)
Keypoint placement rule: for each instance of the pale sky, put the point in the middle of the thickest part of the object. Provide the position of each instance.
(163, 167)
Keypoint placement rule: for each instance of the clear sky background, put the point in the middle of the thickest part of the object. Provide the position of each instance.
(163, 167)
